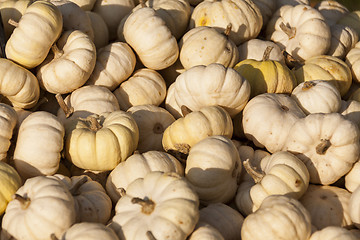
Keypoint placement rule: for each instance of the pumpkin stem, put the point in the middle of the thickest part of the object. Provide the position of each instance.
(323, 146)
(24, 201)
(284, 108)
(228, 29)
(53, 237)
(158, 128)
(256, 176)
(185, 110)
(57, 52)
(142, 3)
(267, 52)
(94, 124)
(290, 31)
(67, 110)
(122, 191)
(307, 85)
(74, 190)
(13, 23)
(150, 235)
(147, 205)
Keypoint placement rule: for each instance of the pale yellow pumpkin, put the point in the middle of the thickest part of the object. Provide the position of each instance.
(10, 182)
(38, 28)
(333, 233)
(213, 168)
(353, 61)
(158, 206)
(352, 180)
(89, 231)
(70, 64)
(152, 122)
(8, 121)
(101, 142)
(115, 62)
(137, 166)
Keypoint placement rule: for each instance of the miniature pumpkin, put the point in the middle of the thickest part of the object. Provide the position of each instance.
(137, 166)
(37, 30)
(343, 39)
(354, 209)
(205, 231)
(10, 181)
(89, 231)
(333, 233)
(158, 206)
(8, 121)
(353, 60)
(213, 168)
(106, 140)
(41, 132)
(101, 31)
(352, 180)
(70, 65)
(332, 11)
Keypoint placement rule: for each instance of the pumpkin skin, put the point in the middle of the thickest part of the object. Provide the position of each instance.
(137, 166)
(38, 29)
(40, 132)
(145, 86)
(10, 181)
(20, 86)
(151, 39)
(343, 39)
(278, 216)
(351, 19)
(354, 209)
(31, 214)
(244, 16)
(205, 45)
(353, 61)
(351, 178)
(205, 232)
(89, 231)
(106, 140)
(8, 121)
(92, 204)
(70, 64)
(333, 233)
(307, 33)
(185, 132)
(282, 173)
(192, 87)
(213, 168)
(267, 9)
(266, 76)
(115, 62)
(327, 68)
(101, 31)
(328, 206)
(152, 122)
(85, 5)
(265, 109)
(332, 11)
(317, 96)
(327, 143)
(147, 204)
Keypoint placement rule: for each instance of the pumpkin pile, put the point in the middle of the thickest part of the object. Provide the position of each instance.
(179, 120)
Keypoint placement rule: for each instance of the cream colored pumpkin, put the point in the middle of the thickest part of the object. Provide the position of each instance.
(213, 168)
(185, 132)
(328, 206)
(333, 233)
(352, 180)
(225, 219)
(278, 217)
(101, 31)
(152, 122)
(85, 5)
(281, 3)
(31, 214)
(85, 101)
(204, 45)
(350, 109)
(70, 65)
(18, 85)
(12, 9)
(145, 86)
(281, 173)
(353, 61)
(89, 231)
(227, 87)
(268, 118)
(92, 204)
(332, 11)
(114, 64)
(267, 9)
(351, 19)
(38, 28)
(327, 143)
(343, 39)
(10, 182)
(158, 206)
(327, 68)
(317, 96)
(74, 17)
(301, 30)
(137, 166)
(8, 121)
(354, 208)
(41, 132)
(151, 39)
(244, 16)
(205, 232)
(100, 142)
(113, 11)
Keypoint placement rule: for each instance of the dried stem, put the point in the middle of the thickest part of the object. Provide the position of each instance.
(256, 176)
(323, 146)
(24, 201)
(94, 124)
(67, 110)
(228, 29)
(290, 31)
(307, 85)
(74, 190)
(13, 23)
(267, 52)
(57, 52)
(185, 110)
(147, 204)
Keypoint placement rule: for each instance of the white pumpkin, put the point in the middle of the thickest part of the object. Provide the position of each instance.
(89, 231)
(354, 207)
(352, 180)
(101, 31)
(8, 122)
(333, 233)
